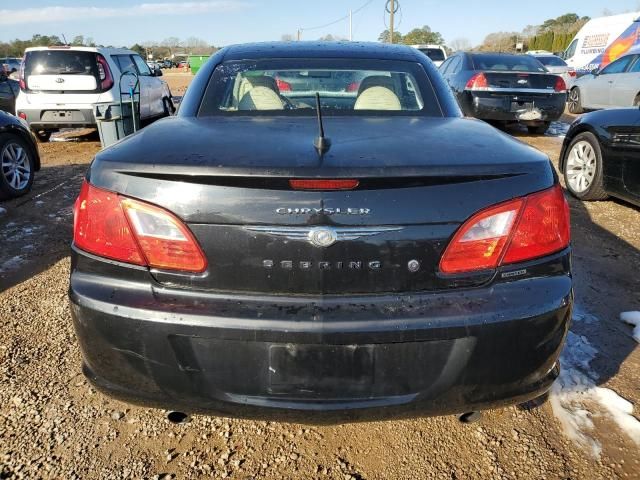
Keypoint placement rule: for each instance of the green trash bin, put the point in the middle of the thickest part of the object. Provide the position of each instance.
(196, 61)
(114, 121)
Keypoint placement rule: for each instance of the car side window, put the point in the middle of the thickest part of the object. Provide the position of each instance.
(635, 67)
(125, 63)
(618, 66)
(571, 49)
(143, 68)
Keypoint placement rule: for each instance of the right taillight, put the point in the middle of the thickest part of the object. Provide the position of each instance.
(283, 86)
(104, 73)
(119, 228)
(512, 232)
(560, 85)
(477, 82)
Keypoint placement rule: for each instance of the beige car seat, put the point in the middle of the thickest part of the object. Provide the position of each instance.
(259, 93)
(377, 93)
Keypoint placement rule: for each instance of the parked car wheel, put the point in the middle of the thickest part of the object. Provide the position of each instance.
(169, 108)
(538, 129)
(575, 101)
(583, 168)
(43, 136)
(17, 166)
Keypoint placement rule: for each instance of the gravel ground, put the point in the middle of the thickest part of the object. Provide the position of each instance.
(53, 424)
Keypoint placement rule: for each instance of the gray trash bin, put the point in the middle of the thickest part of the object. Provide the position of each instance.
(114, 122)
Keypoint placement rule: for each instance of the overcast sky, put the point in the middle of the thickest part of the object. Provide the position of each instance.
(222, 22)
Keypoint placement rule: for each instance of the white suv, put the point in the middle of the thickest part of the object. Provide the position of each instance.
(60, 85)
(437, 53)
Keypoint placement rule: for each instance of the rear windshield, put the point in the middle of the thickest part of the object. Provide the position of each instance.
(345, 87)
(512, 63)
(552, 61)
(60, 62)
(435, 54)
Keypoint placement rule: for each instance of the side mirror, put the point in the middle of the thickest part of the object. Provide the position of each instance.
(595, 72)
(157, 72)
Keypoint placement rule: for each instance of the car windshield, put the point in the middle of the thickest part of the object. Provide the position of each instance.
(435, 54)
(513, 63)
(552, 61)
(345, 87)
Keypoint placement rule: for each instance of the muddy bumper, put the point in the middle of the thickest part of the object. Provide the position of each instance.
(320, 359)
(527, 109)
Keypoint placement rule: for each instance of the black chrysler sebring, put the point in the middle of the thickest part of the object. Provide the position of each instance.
(320, 235)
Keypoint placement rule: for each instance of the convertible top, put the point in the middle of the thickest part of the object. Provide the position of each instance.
(365, 50)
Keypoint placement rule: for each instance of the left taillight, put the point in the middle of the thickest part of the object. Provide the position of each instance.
(512, 232)
(104, 73)
(112, 226)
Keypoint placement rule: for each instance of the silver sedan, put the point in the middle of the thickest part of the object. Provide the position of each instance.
(616, 85)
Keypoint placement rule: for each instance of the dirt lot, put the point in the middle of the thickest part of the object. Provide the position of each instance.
(54, 425)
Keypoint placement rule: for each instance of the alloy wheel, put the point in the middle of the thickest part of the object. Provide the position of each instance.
(15, 166)
(574, 100)
(581, 166)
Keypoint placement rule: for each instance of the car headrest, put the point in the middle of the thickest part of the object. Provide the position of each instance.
(376, 81)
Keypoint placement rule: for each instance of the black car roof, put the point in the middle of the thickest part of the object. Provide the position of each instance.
(364, 50)
(498, 54)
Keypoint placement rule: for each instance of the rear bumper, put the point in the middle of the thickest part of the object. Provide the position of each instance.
(320, 359)
(62, 117)
(511, 107)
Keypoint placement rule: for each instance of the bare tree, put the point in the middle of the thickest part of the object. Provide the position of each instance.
(171, 43)
(500, 42)
(196, 46)
(460, 43)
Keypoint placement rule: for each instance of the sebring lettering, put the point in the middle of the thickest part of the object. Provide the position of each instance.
(307, 265)
(323, 211)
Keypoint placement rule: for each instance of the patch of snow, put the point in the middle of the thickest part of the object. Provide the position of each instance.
(40, 202)
(632, 318)
(11, 264)
(576, 399)
(2, 211)
(558, 129)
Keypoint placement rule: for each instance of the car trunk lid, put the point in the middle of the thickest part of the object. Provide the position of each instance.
(544, 82)
(419, 179)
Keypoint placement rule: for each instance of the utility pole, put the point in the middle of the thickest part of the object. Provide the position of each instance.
(391, 10)
(351, 25)
(298, 36)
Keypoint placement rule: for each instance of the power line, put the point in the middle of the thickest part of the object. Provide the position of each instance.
(341, 19)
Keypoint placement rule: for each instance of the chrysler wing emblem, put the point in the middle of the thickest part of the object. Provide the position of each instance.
(323, 236)
(59, 80)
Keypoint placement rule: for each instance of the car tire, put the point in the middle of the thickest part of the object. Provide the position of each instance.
(169, 108)
(574, 102)
(17, 166)
(43, 136)
(583, 168)
(538, 129)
